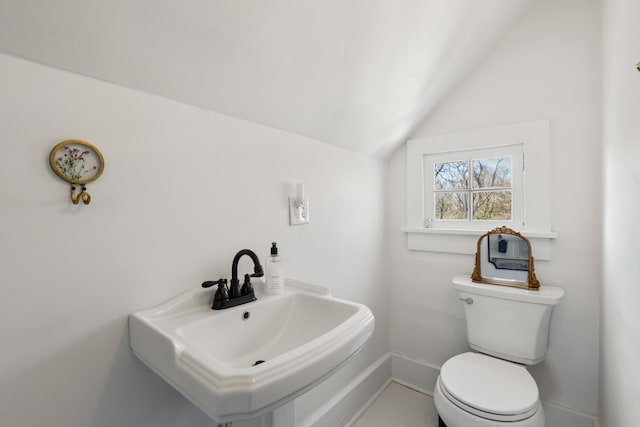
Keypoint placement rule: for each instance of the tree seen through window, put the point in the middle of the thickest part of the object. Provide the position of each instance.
(475, 188)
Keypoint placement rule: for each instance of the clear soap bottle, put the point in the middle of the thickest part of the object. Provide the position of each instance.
(275, 272)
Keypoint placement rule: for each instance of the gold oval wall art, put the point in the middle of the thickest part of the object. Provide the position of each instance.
(78, 163)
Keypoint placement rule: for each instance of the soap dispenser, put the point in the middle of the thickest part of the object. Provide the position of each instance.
(274, 274)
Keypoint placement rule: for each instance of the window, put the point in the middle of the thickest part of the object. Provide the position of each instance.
(463, 184)
(473, 188)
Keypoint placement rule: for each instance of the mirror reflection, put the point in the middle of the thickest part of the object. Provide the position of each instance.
(508, 252)
(504, 257)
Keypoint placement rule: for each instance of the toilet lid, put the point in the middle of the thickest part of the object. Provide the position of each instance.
(490, 385)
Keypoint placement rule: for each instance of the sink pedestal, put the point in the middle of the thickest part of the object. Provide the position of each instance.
(284, 416)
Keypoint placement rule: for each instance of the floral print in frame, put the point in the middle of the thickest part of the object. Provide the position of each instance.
(76, 161)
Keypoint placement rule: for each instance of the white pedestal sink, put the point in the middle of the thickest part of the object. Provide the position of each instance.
(213, 357)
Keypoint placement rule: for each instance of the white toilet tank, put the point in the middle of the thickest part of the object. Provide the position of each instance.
(509, 323)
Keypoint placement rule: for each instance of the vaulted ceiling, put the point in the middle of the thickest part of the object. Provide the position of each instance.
(360, 74)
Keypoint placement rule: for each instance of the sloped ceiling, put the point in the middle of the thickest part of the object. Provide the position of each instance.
(360, 74)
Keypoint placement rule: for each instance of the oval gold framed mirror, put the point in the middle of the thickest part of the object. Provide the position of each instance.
(504, 257)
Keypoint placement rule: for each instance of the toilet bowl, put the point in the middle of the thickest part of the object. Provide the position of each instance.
(474, 389)
(508, 327)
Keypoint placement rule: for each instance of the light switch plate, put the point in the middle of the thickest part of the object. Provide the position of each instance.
(298, 211)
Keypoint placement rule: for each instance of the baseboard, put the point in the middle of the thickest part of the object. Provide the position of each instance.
(416, 374)
(421, 376)
(558, 416)
(354, 398)
(364, 408)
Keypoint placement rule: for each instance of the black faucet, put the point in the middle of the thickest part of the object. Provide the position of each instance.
(234, 285)
(225, 298)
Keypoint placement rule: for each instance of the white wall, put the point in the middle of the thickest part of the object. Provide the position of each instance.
(183, 190)
(620, 327)
(546, 68)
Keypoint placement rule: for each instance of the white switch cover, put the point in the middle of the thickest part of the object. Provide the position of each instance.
(298, 211)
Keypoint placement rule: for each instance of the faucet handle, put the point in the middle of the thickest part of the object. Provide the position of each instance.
(210, 283)
(247, 287)
(222, 293)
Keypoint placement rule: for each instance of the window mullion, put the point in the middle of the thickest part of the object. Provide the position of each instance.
(469, 188)
(491, 189)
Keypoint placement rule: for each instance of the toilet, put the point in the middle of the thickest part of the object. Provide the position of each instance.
(508, 328)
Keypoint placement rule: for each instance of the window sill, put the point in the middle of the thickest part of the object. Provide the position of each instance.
(464, 241)
(475, 232)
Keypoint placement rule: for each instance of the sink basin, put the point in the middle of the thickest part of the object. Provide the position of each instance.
(242, 362)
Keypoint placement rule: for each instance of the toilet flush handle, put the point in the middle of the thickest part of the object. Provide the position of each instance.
(467, 300)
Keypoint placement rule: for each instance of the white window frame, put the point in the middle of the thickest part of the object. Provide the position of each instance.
(536, 206)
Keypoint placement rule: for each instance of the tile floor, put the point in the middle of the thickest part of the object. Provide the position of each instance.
(400, 406)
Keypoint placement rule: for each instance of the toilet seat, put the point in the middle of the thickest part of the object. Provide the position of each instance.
(488, 387)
